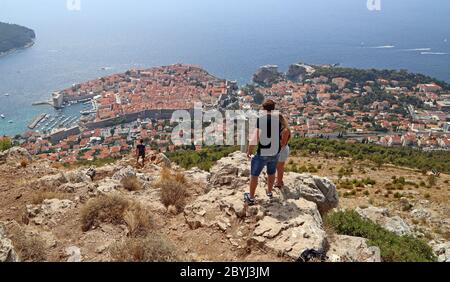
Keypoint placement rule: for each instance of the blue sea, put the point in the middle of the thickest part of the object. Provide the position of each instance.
(229, 38)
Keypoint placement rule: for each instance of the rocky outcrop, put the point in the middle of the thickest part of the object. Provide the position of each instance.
(421, 214)
(296, 71)
(7, 252)
(288, 224)
(312, 188)
(3, 156)
(442, 251)
(124, 173)
(197, 175)
(382, 217)
(78, 176)
(231, 172)
(15, 156)
(267, 75)
(52, 181)
(352, 249)
(73, 254)
(49, 212)
(106, 186)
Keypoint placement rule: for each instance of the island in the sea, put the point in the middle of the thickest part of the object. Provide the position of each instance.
(14, 37)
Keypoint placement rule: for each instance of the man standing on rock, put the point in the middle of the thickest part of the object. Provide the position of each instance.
(140, 152)
(267, 137)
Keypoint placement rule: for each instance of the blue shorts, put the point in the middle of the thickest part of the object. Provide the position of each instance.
(259, 162)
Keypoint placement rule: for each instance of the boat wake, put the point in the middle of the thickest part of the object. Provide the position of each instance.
(433, 53)
(382, 47)
(417, 49)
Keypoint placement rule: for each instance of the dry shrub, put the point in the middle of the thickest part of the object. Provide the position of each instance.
(116, 209)
(40, 196)
(29, 247)
(131, 183)
(165, 174)
(104, 209)
(152, 248)
(138, 219)
(173, 189)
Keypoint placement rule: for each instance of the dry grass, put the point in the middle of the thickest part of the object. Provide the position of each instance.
(29, 247)
(40, 196)
(131, 183)
(138, 219)
(173, 189)
(116, 209)
(104, 209)
(152, 248)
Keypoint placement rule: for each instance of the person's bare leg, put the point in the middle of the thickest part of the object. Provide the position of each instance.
(280, 173)
(270, 182)
(253, 185)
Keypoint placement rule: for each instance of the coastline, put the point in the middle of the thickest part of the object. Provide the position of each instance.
(12, 51)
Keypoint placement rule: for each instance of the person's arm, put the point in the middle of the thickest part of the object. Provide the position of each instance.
(285, 137)
(253, 141)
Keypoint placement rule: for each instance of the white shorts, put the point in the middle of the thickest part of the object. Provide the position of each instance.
(284, 154)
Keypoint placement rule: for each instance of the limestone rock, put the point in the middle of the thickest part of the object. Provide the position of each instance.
(352, 249)
(49, 212)
(7, 252)
(442, 251)
(107, 185)
(73, 253)
(91, 172)
(78, 176)
(312, 188)
(16, 155)
(292, 227)
(124, 173)
(73, 187)
(267, 75)
(55, 180)
(198, 175)
(231, 171)
(295, 71)
(381, 216)
(421, 214)
(3, 156)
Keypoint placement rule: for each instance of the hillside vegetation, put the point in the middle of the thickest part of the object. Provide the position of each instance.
(405, 78)
(203, 159)
(14, 36)
(399, 156)
(393, 247)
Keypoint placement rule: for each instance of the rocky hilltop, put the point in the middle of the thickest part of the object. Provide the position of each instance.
(160, 212)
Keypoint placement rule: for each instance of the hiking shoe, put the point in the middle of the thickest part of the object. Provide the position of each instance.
(269, 194)
(248, 200)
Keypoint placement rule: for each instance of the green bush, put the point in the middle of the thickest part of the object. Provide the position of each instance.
(5, 144)
(96, 163)
(394, 248)
(203, 159)
(400, 156)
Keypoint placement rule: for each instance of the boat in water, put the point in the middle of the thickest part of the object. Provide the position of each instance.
(6, 94)
(2, 116)
(10, 121)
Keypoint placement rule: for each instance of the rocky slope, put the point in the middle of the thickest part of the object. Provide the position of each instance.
(42, 205)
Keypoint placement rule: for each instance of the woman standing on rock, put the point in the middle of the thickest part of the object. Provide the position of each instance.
(285, 136)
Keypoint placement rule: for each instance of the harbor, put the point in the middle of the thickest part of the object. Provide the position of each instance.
(36, 121)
